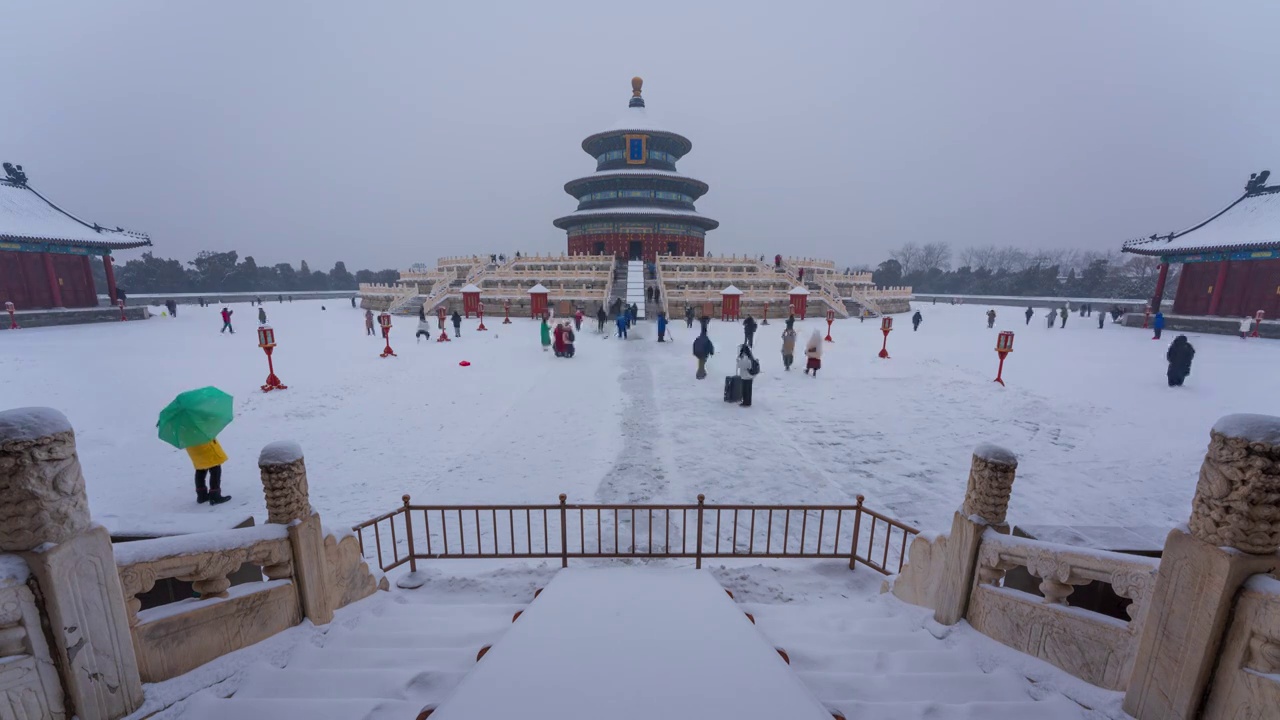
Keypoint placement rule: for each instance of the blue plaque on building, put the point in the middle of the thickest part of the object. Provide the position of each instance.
(637, 149)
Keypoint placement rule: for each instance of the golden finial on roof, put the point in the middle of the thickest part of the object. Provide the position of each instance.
(636, 82)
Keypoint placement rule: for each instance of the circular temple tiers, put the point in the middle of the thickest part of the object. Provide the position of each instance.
(636, 205)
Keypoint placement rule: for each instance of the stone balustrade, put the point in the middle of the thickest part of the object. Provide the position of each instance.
(1201, 633)
(1090, 645)
(72, 630)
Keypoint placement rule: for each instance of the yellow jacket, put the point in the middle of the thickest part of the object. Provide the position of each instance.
(207, 455)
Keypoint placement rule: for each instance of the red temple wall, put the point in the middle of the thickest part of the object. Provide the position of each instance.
(1250, 285)
(24, 282)
(619, 245)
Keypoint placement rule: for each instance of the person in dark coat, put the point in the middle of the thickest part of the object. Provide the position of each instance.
(368, 321)
(353, 301)
(916, 320)
(688, 317)
(749, 330)
(648, 294)
(1179, 356)
(1157, 323)
(657, 294)
(1064, 314)
(1102, 318)
(703, 349)
(991, 318)
(1053, 315)
(457, 324)
(601, 317)
(662, 326)
(173, 307)
(262, 316)
(1029, 313)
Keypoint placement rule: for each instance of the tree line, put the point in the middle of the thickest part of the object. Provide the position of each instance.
(213, 272)
(994, 270)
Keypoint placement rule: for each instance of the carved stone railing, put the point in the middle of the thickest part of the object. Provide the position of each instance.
(205, 560)
(173, 639)
(1247, 684)
(29, 685)
(1090, 645)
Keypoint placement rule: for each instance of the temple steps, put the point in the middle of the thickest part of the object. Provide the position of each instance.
(878, 660)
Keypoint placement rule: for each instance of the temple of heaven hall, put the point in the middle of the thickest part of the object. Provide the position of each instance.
(636, 205)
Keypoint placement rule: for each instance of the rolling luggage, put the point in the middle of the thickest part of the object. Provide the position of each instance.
(733, 389)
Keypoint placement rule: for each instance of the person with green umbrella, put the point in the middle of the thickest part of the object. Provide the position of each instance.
(192, 423)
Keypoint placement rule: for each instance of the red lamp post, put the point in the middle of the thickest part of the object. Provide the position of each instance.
(480, 313)
(831, 317)
(765, 321)
(506, 310)
(1146, 317)
(444, 334)
(267, 341)
(1257, 321)
(384, 319)
(886, 327)
(1004, 346)
(13, 320)
(121, 304)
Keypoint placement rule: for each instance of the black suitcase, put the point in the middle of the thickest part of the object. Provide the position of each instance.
(733, 389)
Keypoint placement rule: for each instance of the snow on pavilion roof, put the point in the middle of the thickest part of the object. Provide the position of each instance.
(27, 216)
(637, 210)
(470, 287)
(797, 290)
(539, 289)
(731, 290)
(1251, 222)
(633, 172)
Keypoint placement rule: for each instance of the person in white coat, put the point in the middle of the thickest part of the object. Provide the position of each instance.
(746, 363)
(813, 351)
(1246, 325)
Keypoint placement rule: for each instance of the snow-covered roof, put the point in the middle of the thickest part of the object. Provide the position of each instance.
(797, 290)
(470, 287)
(538, 289)
(633, 173)
(638, 210)
(26, 215)
(637, 118)
(731, 290)
(1252, 221)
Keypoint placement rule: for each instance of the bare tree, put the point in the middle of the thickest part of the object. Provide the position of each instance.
(908, 256)
(935, 255)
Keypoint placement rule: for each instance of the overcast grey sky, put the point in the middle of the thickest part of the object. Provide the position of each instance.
(384, 133)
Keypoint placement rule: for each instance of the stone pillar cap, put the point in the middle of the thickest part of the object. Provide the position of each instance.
(996, 454)
(1263, 429)
(281, 452)
(30, 423)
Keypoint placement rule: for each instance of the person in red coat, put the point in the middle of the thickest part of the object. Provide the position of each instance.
(558, 343)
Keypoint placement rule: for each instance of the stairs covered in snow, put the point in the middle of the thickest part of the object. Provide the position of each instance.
(635, 287)
(876, 660)
(397, 660)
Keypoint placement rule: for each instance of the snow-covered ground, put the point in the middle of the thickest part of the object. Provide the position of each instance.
(1101, 437)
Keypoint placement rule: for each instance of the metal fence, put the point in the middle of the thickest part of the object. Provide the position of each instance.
(698, 531)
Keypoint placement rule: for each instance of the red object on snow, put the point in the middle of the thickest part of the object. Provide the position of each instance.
(464, 363)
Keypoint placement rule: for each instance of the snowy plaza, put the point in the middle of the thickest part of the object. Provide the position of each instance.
(1102, 439)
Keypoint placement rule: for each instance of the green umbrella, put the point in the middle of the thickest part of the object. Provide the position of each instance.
(195, 417)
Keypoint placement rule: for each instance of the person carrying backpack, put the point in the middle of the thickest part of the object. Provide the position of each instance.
(748, 368)
(788, 345)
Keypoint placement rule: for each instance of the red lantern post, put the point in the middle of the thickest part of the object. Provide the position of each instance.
(831, 317)
(444, 334)
(267, 341)
(765, 321)
(886, 327)
(1004, 346)
(384, 319)
(506, 310)
(13, 320)
(1257, 322)
(121, 304)
(480, 314)
(1146, 317)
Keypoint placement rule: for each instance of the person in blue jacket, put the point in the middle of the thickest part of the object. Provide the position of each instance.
(1157, 322)
(622, 325)
(662, 326)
